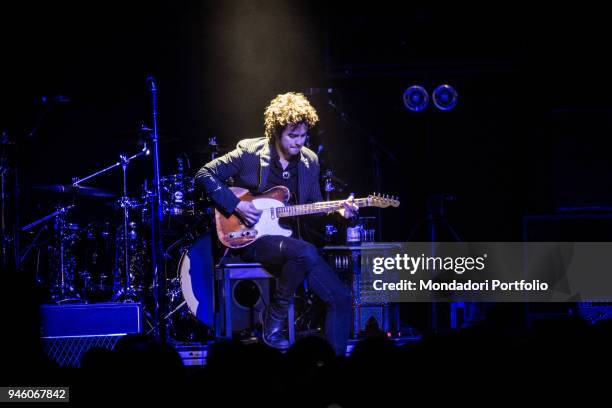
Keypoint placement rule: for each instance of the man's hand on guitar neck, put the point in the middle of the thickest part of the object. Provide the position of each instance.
(248, 212)
(349, 208)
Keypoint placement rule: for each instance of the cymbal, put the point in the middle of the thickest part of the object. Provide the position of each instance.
(70, 189)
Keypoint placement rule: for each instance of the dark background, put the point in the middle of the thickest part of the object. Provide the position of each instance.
(529, 134)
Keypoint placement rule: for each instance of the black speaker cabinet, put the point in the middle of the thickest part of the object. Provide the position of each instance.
(249, 297)
(244, 291)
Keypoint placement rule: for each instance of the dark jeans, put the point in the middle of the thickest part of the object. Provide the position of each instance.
(298, 260)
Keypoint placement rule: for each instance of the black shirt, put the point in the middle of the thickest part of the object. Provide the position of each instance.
(288, 178)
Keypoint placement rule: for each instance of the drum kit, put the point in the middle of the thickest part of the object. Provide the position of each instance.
(108, 258)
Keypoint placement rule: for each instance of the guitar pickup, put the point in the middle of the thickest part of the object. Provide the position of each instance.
(243, 233)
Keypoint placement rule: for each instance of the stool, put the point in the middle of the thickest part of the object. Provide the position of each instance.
(230, 271)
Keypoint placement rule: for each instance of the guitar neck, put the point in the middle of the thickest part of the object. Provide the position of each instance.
(316, 208)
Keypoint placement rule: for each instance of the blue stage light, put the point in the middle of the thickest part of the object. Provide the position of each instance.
(445, 97)
(416, 98)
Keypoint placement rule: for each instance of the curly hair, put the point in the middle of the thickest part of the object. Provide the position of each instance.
(285, 109)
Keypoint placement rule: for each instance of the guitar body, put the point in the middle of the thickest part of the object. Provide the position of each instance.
(232, 231)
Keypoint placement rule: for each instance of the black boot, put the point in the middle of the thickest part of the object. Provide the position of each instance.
(273, 331)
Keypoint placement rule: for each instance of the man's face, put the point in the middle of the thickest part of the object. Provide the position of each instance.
(292, 139)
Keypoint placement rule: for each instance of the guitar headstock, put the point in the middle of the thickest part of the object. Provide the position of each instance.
(382, 201)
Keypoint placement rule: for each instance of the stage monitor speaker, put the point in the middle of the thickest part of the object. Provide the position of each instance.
(69, 331)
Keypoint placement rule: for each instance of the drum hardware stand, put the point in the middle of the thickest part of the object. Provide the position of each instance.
(65, 294)
(181, 162)
(28, 227)
(166, 317)
(328, 181)
(61, 292)
(27, 250)
(159, 284)
(214, 151)
(127, 292)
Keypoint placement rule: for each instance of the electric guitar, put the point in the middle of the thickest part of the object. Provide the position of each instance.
(234, 233)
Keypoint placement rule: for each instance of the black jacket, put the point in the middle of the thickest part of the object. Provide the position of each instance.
(249, 166)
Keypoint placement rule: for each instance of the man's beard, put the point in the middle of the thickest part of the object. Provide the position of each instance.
(288, 152)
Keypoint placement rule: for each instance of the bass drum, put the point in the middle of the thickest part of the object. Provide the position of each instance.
(196, 273)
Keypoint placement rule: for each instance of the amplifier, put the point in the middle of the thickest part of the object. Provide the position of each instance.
(91, 320)
(68, 331)
(346, 262)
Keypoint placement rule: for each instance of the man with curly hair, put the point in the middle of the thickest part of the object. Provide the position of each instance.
(280, 158)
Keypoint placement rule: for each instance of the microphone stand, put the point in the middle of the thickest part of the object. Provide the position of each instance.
(76, 182)
(159, 283)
